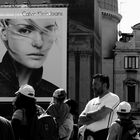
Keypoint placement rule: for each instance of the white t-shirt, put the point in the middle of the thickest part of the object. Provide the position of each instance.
(111, 101)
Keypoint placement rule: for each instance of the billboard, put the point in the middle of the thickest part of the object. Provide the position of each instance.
(34, 38)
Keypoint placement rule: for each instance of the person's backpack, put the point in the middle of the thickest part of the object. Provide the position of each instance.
(125, 135)
(44, 128)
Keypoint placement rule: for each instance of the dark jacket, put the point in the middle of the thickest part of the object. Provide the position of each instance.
(122, 130)
(6, 131)
(9, 82)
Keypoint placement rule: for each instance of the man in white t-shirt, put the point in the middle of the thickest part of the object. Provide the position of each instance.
(99, 112)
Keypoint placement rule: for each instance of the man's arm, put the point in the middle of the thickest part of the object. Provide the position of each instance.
(90, 117)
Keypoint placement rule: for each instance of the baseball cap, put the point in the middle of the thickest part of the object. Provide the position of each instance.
(59, 93)
(26, 90)
(124, 107)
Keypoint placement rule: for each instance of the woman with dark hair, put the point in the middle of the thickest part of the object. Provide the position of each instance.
(28, 42)
(71, 119)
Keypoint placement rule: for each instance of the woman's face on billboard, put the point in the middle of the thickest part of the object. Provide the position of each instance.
(29, 40)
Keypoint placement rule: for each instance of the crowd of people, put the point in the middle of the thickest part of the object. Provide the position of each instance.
(26, 113)
(104, 116)
(28, 42)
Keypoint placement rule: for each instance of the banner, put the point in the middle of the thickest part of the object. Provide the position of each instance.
(36, 37)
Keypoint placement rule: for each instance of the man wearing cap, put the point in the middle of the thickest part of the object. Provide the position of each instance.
(123, 128)
(25, 112)
(26, 90)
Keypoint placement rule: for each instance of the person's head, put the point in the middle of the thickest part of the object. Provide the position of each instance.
(73, 105)
(124, 110)
(25, 97)
(59, 95)
(100, 84)
(28, 41)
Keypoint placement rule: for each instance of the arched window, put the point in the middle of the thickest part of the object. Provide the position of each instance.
(131, 90)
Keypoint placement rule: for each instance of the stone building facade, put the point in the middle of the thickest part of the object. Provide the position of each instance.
(109, 20)
(127, 70)
(84, 50)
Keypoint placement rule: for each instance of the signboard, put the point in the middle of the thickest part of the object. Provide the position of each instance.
(41, 34)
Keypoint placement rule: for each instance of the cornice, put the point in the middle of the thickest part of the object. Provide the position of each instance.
(127, 50)
(114, 15)
(33, 5)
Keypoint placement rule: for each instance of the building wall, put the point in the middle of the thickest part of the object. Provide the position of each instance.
(109, 36)
(122, 50)
(83, 62)
(79, 64)
(124, 77)
(109, 31)
(120, 74)
(111, 5)
(84, 51)
(127, 71)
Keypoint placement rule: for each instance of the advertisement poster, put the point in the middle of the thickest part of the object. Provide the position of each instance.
(35, 38)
